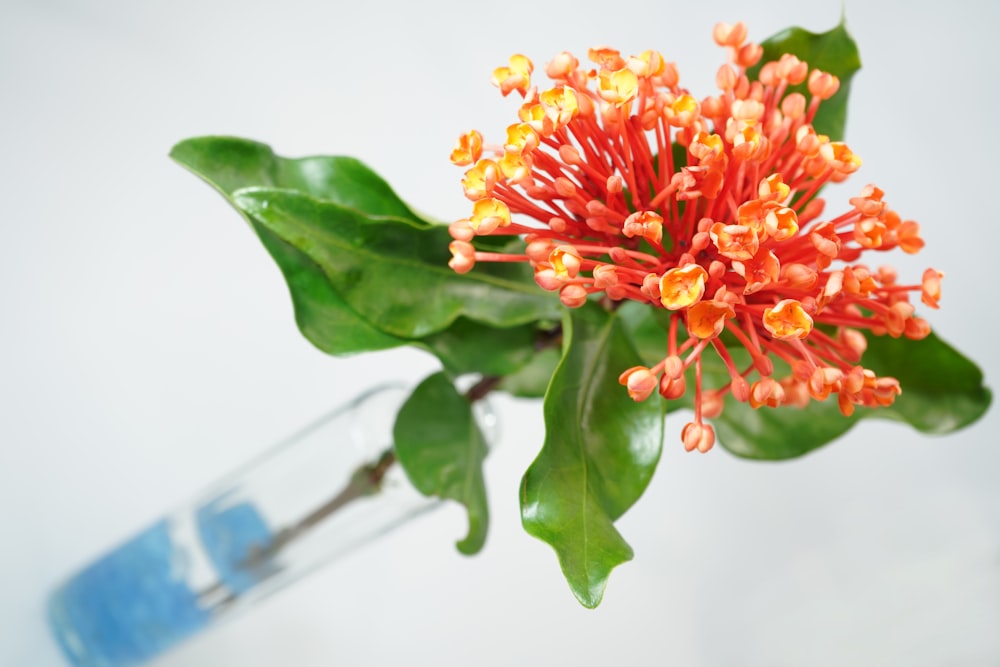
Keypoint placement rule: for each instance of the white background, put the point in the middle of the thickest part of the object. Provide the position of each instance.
(149, 346)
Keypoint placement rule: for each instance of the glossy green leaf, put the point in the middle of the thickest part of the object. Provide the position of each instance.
(394, 272)
(441, 448)
(470, 347)
(600, 451)
(323, 317)
(835, 52)
(647, 332)
(943, 391)
(774, 434)
(230, 164)
(532, 380)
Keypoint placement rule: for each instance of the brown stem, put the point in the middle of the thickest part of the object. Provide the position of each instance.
(366, 481)
(485, 385)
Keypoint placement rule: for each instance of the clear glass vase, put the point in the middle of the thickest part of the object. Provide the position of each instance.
(321, 493)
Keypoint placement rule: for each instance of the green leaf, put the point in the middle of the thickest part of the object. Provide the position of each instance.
(758, 434)
(441, 448)
(835, 52)
(533, 379)
(600, 451)
(646, 330)
(230, 164)
(774, 434)
(394, 272)
(943, 391)
(323, 317)
(470, 347)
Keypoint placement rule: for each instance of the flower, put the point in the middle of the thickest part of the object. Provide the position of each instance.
(728, 235)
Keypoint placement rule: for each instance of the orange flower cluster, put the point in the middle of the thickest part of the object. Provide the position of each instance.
(727, 232)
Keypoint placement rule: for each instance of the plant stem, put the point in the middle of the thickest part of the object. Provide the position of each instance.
(365, 481)
(485, 385)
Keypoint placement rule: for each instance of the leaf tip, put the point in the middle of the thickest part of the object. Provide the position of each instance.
(470, 545)
(590, 596)
(473, 543)
(182, 153)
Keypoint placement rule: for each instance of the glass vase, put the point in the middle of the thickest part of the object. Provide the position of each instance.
(321, 493)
